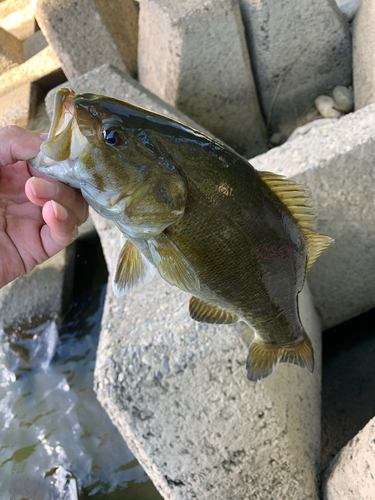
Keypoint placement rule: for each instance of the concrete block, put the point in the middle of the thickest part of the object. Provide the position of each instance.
(193, 55)
(20, 23)
(78, 34)
(11, 51)
(34, 44)
(39, 66)
(364, 55)
(10, 6)
(30, 309)
(18, 105)
(108, 80)
(336, 163)
(298, 50)
(351, 474)
(178, 393)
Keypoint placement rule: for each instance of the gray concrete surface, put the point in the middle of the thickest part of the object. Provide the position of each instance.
(78, 35)
(18, 104)
(193, 55)
(336, 163)
(351, 474)
(34, 44)
(298, 50)
(178, 393)
(11, 51)
(364, 55)
(108, 80)
(38, 66)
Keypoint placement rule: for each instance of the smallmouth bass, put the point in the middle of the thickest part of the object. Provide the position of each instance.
(238, 240)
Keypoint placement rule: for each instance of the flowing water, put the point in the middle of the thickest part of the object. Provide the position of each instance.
(50, 418)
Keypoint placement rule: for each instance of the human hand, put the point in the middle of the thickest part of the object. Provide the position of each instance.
(38, 215)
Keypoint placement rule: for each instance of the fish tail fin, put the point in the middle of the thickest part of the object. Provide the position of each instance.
(264, 358)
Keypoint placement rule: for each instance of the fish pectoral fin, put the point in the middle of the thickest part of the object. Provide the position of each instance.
(207, 313)
(133, 270)
(316, 244)
(264, 358)
(172, 264)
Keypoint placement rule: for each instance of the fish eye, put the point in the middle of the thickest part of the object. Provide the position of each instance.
(112, 136)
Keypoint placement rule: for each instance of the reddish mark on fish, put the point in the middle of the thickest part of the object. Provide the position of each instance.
(267, 251)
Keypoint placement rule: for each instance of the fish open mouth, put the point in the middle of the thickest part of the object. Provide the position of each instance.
(65, 140)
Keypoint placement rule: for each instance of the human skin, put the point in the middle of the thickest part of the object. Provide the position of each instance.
(38, 216)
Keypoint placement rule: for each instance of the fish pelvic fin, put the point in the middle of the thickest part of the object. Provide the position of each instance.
(132, 271)
(264, 358)
(294, 197)
(207, 313)
(172, 264)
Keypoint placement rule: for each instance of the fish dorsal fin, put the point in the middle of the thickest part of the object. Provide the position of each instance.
(207, 313)
(293, 196)
(133, 270)
(172, 264)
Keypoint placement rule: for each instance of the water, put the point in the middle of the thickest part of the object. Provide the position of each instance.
(51, 417)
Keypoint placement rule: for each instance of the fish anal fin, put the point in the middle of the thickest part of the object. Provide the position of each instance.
(293, 197)
(172, 264)
(207, 313)
(132, 271)
(316, 244)
(264, 358)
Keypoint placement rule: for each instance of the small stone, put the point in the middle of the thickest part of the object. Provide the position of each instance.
(326, 106)
(344, 98)
(277, 139)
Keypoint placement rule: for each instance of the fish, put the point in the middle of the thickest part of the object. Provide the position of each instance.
(240, 241)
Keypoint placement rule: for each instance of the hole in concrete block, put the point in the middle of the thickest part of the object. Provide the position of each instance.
(348, 386)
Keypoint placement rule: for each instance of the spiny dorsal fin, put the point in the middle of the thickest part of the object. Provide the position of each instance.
(264, 358)
(172, 264)
(293, 196)
(133, 270)
(207, 313)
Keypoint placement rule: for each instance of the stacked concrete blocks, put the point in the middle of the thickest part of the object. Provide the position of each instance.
(11, 51)
(298, 50)
(193, 55)
(86, 34)
(336, 163)
(364, 55)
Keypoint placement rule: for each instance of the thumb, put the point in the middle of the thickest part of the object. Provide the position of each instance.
(16, 144)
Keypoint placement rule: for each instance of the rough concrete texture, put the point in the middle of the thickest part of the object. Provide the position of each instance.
(10, 6)
(34, 44)
(298, 50)
(18, 105)
(121, 20)
(364, 55)
(336, 163)
(351, 474)
(20, 23)
(78, 35)
(38, 66)
(11, 51)
(193, 55)
(111, 81)
(178, 393)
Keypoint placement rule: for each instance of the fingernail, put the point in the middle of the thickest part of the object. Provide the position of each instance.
(42, 188)
(44, 136)
(61, 212)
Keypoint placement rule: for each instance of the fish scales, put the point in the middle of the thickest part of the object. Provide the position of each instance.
(240, 241)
